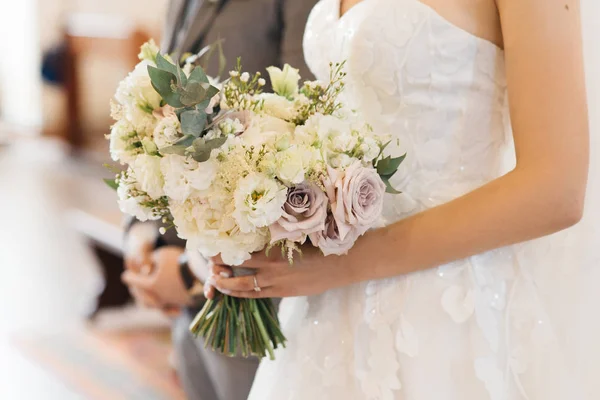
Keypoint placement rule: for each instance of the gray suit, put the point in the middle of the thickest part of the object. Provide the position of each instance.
(262, 33)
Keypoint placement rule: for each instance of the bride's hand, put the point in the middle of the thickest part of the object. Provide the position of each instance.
(311, 274)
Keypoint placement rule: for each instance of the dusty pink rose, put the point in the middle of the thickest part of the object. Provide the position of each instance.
(304, 213)
(164, 112)
(330, 241)
(356, 196)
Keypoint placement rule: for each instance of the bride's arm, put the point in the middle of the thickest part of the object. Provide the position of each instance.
(544, 194)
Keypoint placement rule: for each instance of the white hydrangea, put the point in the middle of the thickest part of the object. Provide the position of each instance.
(167, 131)
(123, 140)
(138, 98)
(148, 175)
(183, 176)
(258, 201)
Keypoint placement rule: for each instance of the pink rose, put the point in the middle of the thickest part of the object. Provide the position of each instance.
(330, 241)
(356, 196)
(304, 213)
(164, 112)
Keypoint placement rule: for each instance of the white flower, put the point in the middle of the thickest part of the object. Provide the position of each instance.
(138, 98)
(341, 161)
(278, 106)
(292, 164)
(258, 202)
(233, 74)
(123, 139)
(148, 51)
(131, 198)
(148, 174)
(369, 148)
(343, 142)
(245, 77)
(284, 82)
(167, 132)
(262, 82)
(184, 176)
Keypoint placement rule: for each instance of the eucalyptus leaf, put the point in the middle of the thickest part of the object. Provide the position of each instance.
(193, 93)
(203, 148)
(180, 147)
(193, 122)
(111, 183)
(198, 75)
(181, 77)
(162, 82)
(165, 65)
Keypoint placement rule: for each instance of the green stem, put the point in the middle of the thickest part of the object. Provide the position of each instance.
(262, 330)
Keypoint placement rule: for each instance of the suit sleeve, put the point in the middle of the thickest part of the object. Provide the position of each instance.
(294, 14)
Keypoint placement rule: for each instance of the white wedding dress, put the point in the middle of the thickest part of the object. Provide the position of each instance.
(510, 324)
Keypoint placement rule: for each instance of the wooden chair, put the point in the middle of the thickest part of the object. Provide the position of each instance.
(110, 37)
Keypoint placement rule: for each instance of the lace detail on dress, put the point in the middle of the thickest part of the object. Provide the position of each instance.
(472, 329)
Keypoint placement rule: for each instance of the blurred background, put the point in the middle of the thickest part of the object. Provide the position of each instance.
(68, 329)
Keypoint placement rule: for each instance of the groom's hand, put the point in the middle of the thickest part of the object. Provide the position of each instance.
(163, 286)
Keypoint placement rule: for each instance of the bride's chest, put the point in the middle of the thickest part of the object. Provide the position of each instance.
(398, 48)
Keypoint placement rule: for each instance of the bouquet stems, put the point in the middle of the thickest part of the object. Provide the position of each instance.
(234, 326)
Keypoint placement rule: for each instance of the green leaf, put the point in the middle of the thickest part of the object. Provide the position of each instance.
(389, 188)
(180, 147)
(387, 166)
(164, 64)
(211, 92)
(193, 122)
(112, 183)
(193, 93)
(162, 82)
(181, 77)
(198, 75)
(203, 148)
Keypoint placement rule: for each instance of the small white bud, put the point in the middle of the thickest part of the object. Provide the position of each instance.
(245, 77)
(233, 74)
(162, 230)
(262, 82)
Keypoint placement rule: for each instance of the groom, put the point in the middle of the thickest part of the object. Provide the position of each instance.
(262, 33)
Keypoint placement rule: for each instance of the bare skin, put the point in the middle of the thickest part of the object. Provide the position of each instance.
(544, 194)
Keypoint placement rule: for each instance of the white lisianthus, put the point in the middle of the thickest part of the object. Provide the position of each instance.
(284, 82)
(258, 202)
(183, 176)
(167, 131)
(278, 106)
(138, 98)
(124, 142)
(292, 164)
(149, 51)
(148, 174)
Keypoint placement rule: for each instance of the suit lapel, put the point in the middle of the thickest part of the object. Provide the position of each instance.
(172, 23)
(204, 14)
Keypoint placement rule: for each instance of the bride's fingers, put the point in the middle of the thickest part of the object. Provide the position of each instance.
(240, 283)
(222, 270)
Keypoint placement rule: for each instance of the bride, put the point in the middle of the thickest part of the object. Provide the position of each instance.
(469, 292)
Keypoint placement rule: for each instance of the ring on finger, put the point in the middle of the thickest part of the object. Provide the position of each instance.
(256, 287)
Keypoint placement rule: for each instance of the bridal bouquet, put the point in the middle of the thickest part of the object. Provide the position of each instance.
(236, 170)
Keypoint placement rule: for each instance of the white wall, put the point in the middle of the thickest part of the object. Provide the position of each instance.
(20, 83)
